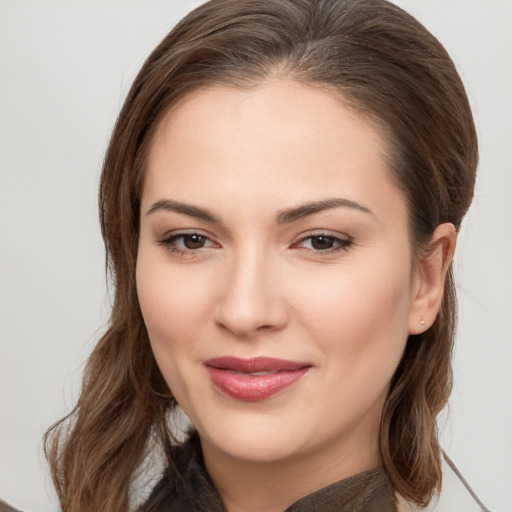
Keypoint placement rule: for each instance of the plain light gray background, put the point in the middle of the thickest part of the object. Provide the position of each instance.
(64, 70)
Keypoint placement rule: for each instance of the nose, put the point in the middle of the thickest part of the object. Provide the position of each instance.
(252, 301)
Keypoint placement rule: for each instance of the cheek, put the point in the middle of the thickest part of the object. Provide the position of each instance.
(168, 307)
(358, 311)
(358, 321)
(175, 306)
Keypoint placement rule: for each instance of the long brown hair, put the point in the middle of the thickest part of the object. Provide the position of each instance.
(384, 64)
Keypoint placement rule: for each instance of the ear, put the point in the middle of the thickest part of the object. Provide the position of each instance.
(429, 277)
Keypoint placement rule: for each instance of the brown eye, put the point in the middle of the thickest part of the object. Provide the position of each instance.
(321, 243)
(187, 243)
(193, 241)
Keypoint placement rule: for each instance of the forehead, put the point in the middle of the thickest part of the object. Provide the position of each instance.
(280, 141)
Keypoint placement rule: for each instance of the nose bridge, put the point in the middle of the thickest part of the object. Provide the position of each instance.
(251, 300)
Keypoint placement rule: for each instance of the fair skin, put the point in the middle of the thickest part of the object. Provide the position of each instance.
(335, 286)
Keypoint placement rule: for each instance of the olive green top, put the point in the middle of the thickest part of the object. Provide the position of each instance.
(4, 507)
(187, 487)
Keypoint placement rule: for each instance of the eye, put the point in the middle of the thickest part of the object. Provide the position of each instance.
(186, 242)
(324, 243)
(192, 241)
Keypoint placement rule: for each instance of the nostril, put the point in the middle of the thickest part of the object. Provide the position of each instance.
(264, 327)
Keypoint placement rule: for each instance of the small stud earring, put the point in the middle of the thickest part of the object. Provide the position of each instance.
(422, 322)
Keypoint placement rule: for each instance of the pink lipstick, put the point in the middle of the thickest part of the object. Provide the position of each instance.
(254, 379)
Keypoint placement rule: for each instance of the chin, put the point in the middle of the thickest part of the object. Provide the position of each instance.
(262, 448)
(255, 437)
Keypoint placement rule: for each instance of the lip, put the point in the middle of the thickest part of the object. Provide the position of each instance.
(236, 377)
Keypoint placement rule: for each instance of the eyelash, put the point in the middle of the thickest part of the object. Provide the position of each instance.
(342, 244)
(168, 242)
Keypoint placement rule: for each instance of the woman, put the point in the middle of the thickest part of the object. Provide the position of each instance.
(280, 204)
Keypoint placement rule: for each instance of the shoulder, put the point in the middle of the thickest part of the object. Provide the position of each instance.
(456, 494)
(185, 484)
(4, 507)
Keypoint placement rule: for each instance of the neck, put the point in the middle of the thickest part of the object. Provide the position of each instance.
(248, 486)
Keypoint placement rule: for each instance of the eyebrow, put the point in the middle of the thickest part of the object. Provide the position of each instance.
(284, 216)
(293, 214)
(186, 209)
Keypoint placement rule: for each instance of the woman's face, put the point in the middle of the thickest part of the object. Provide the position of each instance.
(274, 271)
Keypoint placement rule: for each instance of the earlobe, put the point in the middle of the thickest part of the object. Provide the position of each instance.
(429, 277)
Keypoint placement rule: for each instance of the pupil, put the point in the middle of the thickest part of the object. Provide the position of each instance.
(193, 241)
(321, 242)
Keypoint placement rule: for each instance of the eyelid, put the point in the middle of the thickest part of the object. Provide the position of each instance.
(340, 241)
(344, 241)
(166, 241)
(185, 232)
